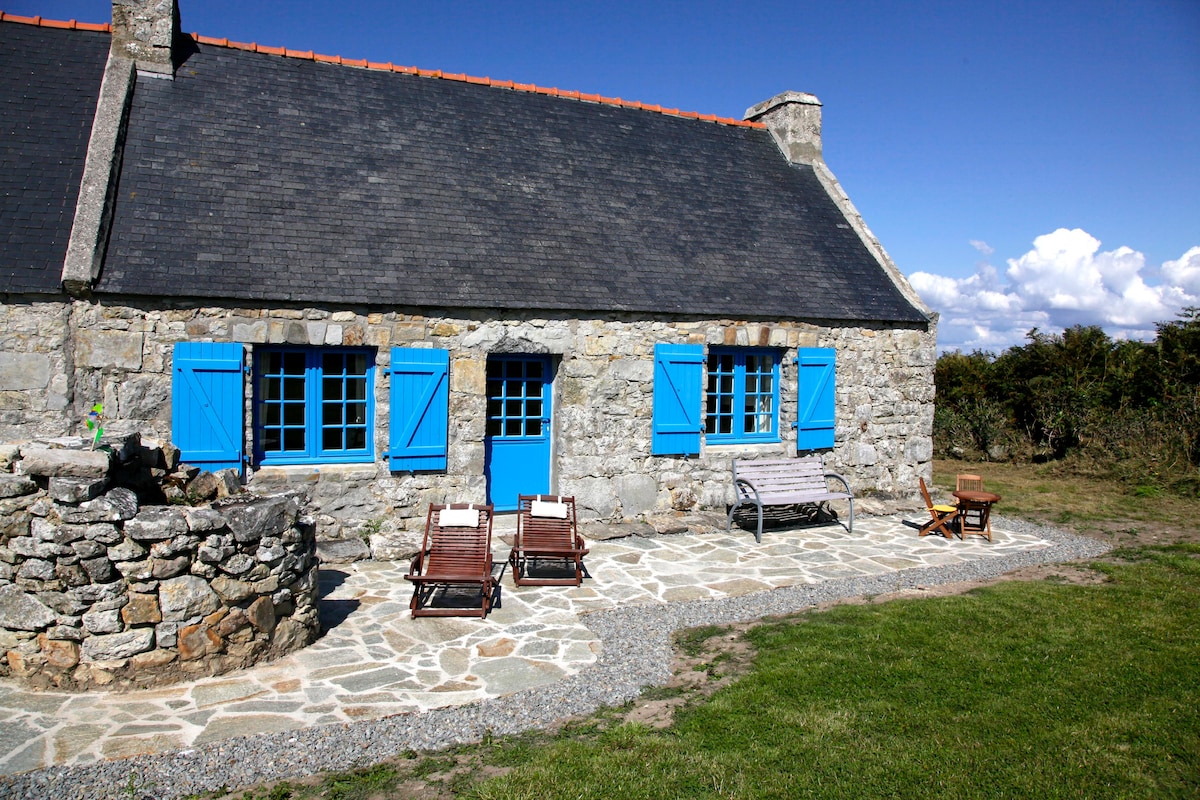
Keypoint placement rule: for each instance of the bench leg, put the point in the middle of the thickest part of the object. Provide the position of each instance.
(757, 533)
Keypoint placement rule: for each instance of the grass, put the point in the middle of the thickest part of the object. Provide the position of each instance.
(1020, 689)
(1017, 690)
(1044, 493)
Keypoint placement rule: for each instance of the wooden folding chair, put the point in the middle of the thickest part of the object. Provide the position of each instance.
(547, 550)
(941, 515)
(974, 516)
(452, 575)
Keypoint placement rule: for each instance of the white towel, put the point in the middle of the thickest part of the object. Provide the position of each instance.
(459, 518)
(545, 508)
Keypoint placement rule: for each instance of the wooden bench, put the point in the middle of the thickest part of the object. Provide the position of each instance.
(785, 482)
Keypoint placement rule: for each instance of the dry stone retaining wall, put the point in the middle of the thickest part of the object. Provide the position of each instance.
(98, 589)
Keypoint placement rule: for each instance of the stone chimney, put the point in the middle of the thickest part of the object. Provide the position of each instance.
(145, 31)
(794, 119)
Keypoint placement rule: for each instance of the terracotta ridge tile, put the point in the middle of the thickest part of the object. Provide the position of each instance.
(42, 22)
(309, 55)
(463, 77)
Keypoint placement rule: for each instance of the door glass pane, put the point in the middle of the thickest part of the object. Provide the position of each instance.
(533, 426)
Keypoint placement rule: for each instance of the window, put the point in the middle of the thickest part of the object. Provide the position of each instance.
(742, 396)
(516, 393)
(313, 405)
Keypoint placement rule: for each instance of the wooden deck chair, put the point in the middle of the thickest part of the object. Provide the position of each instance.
(941, 515)
(452, 575)
(547, 550)
(974, 518)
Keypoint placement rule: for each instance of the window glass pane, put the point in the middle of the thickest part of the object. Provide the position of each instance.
(356, 363)
(331, 439)
(293, 414)
(356, 413)
(271, 440)
(293, 388)
(726, 384)
(293, 439)
(332, 363)
(331, 388)
(270, 414)
(356, 388)
(268, 389)
(331, 414)
(533, 370)
(294, 363)
(356, 438)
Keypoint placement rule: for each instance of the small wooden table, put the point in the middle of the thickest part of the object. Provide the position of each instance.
(975, 511)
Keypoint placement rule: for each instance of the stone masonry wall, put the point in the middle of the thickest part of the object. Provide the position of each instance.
(120, 355)
(100, 589)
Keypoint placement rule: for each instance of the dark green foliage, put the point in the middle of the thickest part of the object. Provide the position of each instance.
(1126, 409)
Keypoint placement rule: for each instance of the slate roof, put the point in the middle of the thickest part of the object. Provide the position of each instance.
(261, 178)
(49, 83)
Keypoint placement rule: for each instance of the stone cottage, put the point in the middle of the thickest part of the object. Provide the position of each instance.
(392, 286)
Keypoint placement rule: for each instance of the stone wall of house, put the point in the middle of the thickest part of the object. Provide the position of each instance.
(99, 588)
(35, 369)
(120, 355)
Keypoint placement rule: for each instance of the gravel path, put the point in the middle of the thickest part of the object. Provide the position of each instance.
(636, 654)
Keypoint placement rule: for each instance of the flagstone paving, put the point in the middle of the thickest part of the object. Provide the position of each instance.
(374, 660)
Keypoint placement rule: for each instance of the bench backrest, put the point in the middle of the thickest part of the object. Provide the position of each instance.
(783, 476)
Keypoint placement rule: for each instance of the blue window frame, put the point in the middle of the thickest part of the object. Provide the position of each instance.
(742, 396)
(313, 405)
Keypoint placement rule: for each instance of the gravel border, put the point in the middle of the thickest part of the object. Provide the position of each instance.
(636, 654)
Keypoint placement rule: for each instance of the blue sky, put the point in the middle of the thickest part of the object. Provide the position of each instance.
(1024, 163)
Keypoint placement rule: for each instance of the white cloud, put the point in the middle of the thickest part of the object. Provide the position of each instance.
(1064, 280)
(982, 247)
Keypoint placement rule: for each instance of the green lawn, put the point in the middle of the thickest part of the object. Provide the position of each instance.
(1022, 689)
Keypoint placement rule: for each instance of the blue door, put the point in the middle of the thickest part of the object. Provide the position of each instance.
(517, 436)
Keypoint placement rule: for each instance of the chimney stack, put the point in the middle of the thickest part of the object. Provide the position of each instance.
(145, 31)
(794, 119)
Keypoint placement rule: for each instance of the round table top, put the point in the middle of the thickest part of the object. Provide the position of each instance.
(977, 496)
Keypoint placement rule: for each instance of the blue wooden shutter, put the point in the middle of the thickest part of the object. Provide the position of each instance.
(678, 379)
(420, 400)
(207, 404)
(815, 399)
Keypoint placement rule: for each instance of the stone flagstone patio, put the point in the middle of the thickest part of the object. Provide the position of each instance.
(374, 660)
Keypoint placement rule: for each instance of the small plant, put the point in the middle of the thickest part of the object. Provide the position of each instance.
(93, 424)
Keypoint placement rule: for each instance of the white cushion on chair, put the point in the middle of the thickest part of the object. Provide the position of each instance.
(545, 508)
(459, 518)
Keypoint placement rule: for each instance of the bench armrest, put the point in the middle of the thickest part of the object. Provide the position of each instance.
(746, 491)
(844, 482)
